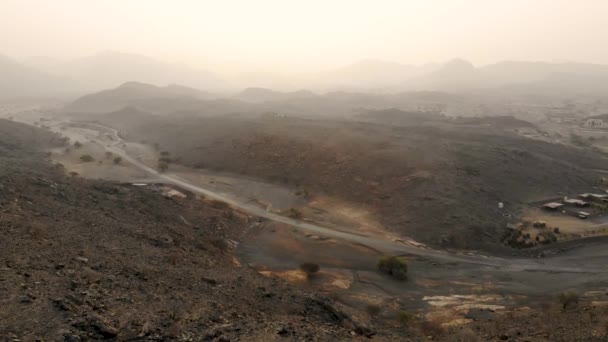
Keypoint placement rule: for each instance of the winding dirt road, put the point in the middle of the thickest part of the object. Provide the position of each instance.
(570, 264)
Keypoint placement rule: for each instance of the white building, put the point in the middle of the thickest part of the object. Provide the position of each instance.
(595, 123)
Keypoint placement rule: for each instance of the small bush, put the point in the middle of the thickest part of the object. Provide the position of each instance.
(117, 160)
(548, 236)
(294, 213)
(568, 299)
(373, 310)
(310, 268)
(86, 158)
(163, 166)
(108, 154)
(431, 328)
(405, 317)
(78, 144)
(393, 266)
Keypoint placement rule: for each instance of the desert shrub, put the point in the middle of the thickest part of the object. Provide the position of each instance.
(163, 166)
(294, 213)
(394, 266)
(164, 153)
(310, 268)
(373, 310)
(556, 230)
(549, 236)
(73, 173)
(431, 328)
(405, 317)
(108, 154)
(117, 160)
(568, 299)
(86, 158)
(78, 144)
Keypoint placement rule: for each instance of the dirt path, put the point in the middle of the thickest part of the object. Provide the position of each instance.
(575, 265)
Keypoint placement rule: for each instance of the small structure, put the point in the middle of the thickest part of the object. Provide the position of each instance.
(593, 197)
(552, 206)
(576, 202)
(582, 215)
(595, 123)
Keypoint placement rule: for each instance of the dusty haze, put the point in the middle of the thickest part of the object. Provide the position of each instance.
(301, 36)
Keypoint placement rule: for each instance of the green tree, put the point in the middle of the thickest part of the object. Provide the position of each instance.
(394, 266)
(310, 269)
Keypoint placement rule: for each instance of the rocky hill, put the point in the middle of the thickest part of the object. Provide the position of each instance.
(134, 94)
(90, 260)
(439, 183)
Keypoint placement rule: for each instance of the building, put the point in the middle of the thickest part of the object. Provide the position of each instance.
(552, 206)
(594, 197)
(582, 215)
(576, 202)
(595, 123)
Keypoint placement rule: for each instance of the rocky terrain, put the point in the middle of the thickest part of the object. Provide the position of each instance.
(91, 260)
(439, 181)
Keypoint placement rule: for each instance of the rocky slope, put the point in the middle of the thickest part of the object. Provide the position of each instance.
(89, 260)
(438, 182)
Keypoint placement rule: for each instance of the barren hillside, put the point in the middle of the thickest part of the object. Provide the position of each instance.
(439, 183)
(90, 260)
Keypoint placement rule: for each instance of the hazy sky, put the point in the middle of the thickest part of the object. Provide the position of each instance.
(288, 35)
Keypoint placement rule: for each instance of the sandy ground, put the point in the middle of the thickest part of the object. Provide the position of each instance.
(569, 227)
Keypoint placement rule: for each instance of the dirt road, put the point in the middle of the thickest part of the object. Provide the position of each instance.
(571, 264)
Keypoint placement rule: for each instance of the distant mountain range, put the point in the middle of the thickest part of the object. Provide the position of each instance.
(268, 95)
(135, 94)
(19, 81)
(533, 77)
(41, 76)
(178, 101)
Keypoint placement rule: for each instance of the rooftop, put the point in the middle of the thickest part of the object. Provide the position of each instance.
(553, 205)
